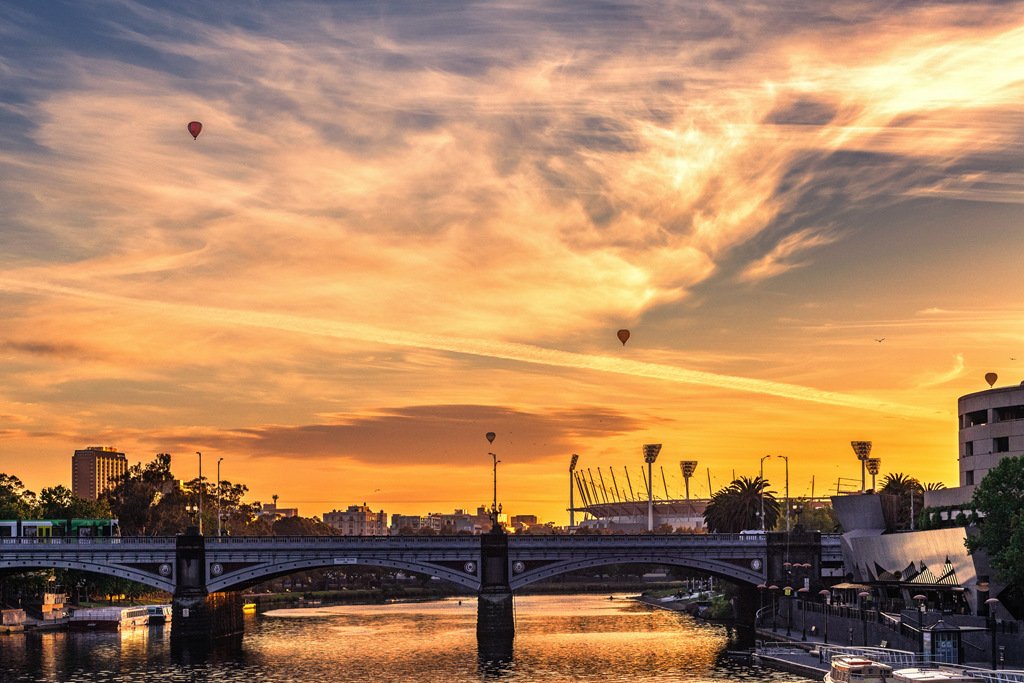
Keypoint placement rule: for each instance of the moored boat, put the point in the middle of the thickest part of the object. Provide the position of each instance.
(938, 674)
(159, 614)
(853, 669)
(108, 618)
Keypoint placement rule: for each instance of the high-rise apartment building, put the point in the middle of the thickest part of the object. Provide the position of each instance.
(93, 468)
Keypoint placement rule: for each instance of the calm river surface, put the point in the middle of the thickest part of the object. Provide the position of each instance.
(558, 638)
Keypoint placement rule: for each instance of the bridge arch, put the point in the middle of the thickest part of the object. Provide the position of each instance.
(718, 568)
(116, 570)
(266, 571)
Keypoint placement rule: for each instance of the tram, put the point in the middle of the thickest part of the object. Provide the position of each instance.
(50, 528)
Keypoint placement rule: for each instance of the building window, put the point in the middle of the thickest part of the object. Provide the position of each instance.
(1009, 413)
(968, 449)
(978, 417)
(969, 478)
(1001, 444)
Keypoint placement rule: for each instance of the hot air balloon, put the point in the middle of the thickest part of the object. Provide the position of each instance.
(490, 437)
(623, 336)
(991, 378)
(195, 128)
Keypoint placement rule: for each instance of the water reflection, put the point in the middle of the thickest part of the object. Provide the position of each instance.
(578, 638)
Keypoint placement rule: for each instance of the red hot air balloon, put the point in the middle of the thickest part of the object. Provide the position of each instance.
(991, 378)
(195, 128)
(490, 437)
(623, 336)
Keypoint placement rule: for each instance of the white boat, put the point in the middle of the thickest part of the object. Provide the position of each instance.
(938, 674)
(853, 669)
(159, 614)
(108, 618)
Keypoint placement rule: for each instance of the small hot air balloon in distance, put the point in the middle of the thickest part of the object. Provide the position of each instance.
(991, 378)
(623, 336)
(490, 437)
(195, 128)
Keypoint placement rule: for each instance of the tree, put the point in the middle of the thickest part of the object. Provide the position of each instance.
(16, 502)
(1000, 498)
(738, 506)
(58, 502)
(909, 495)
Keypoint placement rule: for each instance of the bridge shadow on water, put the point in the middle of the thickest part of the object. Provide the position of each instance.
(201, 652)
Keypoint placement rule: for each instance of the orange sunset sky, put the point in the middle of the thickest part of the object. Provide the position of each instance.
(406, 224)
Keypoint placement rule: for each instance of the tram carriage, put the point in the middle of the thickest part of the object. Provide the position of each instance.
(59, 528)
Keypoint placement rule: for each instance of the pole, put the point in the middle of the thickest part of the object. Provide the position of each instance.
(218, 496)
(200, 492)
(762, 492)
(650, 499)
(572, 513)
(650, 451)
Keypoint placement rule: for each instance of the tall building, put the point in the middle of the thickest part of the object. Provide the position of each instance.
(991, 428)
(358, 520)
(93, 468)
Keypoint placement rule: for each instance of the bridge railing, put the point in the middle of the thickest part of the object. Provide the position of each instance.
(647, 540)
(349, 541)
(162, 541)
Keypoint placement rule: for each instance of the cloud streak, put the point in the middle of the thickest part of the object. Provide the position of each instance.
(504, 350)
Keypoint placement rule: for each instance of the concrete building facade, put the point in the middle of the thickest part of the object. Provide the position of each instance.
(93, 468)
(991, 428)
(358, 520)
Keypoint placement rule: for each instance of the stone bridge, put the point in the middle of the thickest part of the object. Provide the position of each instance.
(192, 567)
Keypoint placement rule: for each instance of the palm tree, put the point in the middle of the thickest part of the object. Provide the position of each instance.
(738, 506)
(909, 494)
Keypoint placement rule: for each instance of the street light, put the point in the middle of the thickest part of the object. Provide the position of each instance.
(991, 619)
(495, 508)
(920, 600)
(218, 497)
(825, 593)
(803, 611)
(762, 491)
(788, 592)
(688, 467)
(651, 451)
(787, 491)
(863, 595)
(863, 450)
(572, 512)
(775, 610)
(760, 612)
(200, 492)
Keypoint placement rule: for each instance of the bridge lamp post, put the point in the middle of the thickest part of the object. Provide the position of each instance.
(760, 612)
(495, 508)
(572, 511)
(762, 492)
(651, 451)
(863, 450)
(218, 497)
(200, 492)
(825, 594)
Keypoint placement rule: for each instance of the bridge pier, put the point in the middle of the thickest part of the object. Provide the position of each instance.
(196, 613)
(495, 616)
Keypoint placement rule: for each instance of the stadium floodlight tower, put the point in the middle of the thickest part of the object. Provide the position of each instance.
(874, 466)
(863, 450)
(651, 451)
(688, 467)
(572, 467)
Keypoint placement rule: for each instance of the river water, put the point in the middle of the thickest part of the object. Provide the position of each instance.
(558, 638)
